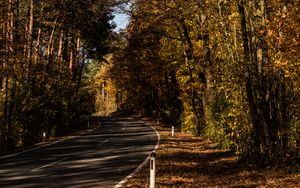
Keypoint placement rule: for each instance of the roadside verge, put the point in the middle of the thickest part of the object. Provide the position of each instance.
(187, 161)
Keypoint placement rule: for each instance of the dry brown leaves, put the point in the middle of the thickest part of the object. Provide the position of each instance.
(187, 161)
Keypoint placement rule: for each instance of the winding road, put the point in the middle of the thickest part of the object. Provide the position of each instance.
(101, 157)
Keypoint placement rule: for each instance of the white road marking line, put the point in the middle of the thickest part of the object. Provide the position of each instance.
(42, 146)
(122, 182)
(158, 138)
(36, 169)
(116, 134)
(105, 141)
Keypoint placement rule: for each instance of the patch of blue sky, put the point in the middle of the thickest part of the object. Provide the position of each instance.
(121, 20)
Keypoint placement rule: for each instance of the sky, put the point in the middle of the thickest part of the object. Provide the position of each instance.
(121, 20)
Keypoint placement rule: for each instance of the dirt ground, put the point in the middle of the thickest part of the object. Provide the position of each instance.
(187, 161)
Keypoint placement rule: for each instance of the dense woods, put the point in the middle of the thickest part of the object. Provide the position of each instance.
(224, 69)
(227, 70)
(45, 46)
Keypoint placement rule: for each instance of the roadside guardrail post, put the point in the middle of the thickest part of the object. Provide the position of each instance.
(152, 169)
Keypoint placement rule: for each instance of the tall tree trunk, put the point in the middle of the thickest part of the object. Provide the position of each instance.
(28, 30)
(6, 65)
(59, 54)
(76, 63)
(28, 38)
(207, 78)
(10, 28)
(264, 87)
(198, 106)
(249, 87)
(37, 47)
(71, 58)
(50, 46)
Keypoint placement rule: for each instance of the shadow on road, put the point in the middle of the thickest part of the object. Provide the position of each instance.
(101, 157)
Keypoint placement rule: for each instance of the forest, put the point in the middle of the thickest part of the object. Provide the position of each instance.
(44, 47)
(226, 70)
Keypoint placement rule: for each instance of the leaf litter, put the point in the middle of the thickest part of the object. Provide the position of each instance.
(188, 161)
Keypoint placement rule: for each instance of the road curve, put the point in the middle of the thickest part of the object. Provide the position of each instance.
(99, 158)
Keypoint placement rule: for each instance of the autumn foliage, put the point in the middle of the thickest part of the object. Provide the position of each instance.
(227, 70)
(44, 47)
(224, 69)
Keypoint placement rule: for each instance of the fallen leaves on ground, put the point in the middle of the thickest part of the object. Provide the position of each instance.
(187, 161)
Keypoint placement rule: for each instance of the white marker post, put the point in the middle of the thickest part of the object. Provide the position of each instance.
(88, 124)
(44, 136)
(99, 124)
(152, 170)
(172, 130)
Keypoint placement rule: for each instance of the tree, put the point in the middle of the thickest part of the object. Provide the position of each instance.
(44, 48)
(224, 60)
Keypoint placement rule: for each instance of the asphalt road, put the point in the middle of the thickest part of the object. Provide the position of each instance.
(99, 158)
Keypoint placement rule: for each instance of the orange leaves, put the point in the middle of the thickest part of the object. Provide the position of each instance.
(187, 161)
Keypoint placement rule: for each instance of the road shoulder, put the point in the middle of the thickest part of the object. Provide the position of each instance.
(187, 161)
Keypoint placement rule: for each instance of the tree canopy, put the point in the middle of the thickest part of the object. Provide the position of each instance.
(45, 46)
(227, 70)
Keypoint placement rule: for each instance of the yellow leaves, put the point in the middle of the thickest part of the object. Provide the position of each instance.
(233, 119)
(199, 45)
(261, 32)
(291, 70)
(233, 16)
(280, 64)
(272, 33)
(183, 80)
(232, 113)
